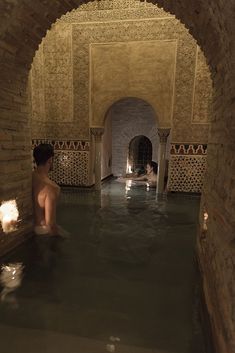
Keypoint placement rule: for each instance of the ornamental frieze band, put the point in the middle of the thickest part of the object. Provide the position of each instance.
(69, 145)
(188, 149)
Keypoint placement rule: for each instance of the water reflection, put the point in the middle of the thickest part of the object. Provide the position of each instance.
(110, 347)
(128, 186)
(126, 227)
(11, 278)
(127, 269)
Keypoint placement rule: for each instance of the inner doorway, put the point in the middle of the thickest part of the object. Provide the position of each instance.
(140, 152)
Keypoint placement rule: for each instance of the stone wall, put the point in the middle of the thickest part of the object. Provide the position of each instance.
(24, 24)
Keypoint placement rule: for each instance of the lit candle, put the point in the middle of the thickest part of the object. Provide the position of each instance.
(205, 218)
(9, 215)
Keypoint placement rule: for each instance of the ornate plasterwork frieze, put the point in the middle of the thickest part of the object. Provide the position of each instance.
(187, 167)
(69, 145)
(71, 161)
(188, 149)
(117, 28)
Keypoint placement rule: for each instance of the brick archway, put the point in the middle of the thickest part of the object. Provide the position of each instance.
(211, 23)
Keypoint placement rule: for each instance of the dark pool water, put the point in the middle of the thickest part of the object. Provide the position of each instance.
(127, 271)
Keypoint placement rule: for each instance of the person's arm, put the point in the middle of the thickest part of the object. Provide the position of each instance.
(142, 177)
(50, 210)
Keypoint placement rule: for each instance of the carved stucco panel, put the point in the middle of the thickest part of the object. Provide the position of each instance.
(167, 28)
(185, 68)
(81, 81)
(58, 75)
(107, 10)
(37, 87)
(202, 92)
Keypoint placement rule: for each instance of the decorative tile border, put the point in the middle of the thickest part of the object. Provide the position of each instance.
(71, 161)
(188, 149)
(71, 164)
(71, 145)
(187, 167)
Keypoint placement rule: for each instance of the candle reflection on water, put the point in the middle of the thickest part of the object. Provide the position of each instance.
(128, 185)
(10, 278)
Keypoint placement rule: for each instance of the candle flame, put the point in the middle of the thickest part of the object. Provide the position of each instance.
(9, 215)
(205, 218)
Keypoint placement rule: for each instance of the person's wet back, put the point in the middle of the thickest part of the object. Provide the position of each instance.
(45, 193)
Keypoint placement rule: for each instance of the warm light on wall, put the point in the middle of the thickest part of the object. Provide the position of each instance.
(64, 160)
(9, 215)
(128, 167)
(205, 218)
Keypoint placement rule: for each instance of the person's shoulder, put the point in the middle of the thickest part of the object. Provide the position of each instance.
(52, 188)
(50, 191)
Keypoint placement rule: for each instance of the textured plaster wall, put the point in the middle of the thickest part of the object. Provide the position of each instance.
(143, 69)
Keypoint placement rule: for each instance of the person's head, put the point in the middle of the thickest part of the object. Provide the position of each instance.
(152, 167)
(43, 155)
(141, 171)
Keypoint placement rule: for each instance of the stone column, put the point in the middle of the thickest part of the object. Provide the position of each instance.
(163, 135)
(97, 132)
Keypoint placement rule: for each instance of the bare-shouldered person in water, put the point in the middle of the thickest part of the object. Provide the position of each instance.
(150, 176)
(45, 192)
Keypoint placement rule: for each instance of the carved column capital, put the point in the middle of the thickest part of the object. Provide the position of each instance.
(97, 132)
(163, 133)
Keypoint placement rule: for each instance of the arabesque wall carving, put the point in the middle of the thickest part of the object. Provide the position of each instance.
(62, 78)
(187, 167)
(70, 40)
(71, 161)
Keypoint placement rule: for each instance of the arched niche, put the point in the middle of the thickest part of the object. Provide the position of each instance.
(139, 153)
(126, 119)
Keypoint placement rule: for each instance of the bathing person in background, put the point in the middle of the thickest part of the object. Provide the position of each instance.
(151, 174)
(45, 192)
